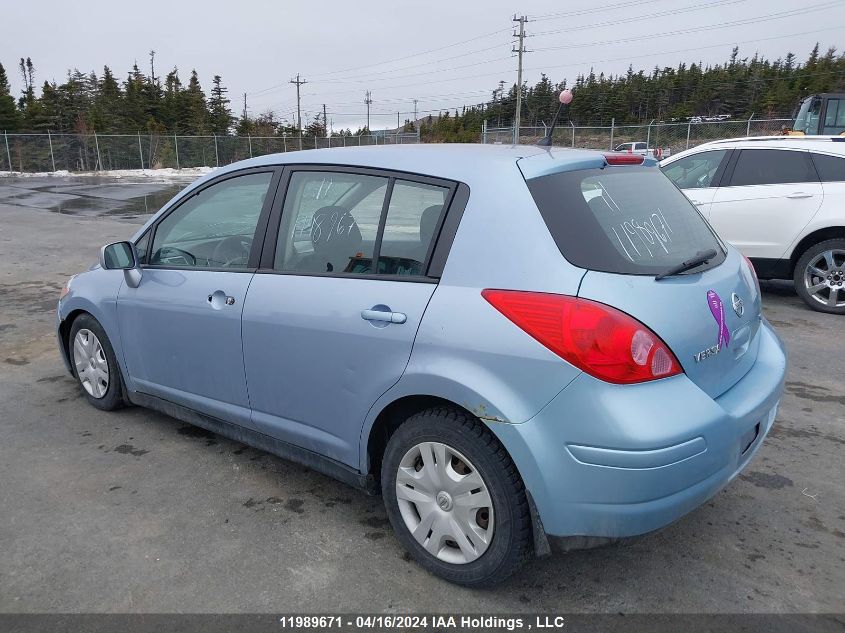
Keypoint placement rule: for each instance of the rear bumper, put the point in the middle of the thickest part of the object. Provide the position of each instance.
(615, 461)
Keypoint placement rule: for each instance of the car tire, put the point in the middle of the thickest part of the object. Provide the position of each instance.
(90, 352)
(820, 275)
(498, 534)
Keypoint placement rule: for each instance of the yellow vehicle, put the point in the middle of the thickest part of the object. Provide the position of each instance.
(820, 114)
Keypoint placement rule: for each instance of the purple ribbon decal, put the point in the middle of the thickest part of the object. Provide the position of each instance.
(717, 308)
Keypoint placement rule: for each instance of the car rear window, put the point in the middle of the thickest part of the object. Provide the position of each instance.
(629, 220)
(830, 168)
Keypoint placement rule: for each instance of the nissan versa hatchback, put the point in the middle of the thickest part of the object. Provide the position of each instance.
(518, 347)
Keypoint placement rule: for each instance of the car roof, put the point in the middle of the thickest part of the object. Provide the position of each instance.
(824, 144)
(469, 163)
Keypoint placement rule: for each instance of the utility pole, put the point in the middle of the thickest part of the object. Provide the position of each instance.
(298, 83)
(325, 121)
(368, 100)
(243, 116)
(520, 50)
(416, 126)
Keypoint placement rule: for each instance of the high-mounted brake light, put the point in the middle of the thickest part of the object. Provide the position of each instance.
(624, 159)
(600, 340)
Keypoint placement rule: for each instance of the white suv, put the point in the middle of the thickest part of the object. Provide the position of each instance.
(781, 201)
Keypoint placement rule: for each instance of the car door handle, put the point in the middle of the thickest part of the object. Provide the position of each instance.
(799, 194)
(379, 315)
(218, 299)
(696, 203)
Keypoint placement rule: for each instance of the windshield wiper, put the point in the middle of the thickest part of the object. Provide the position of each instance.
(701, 257)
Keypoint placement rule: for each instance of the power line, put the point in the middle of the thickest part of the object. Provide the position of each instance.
(708, 27)
(788, 13)
(600, 9)
(399, 59)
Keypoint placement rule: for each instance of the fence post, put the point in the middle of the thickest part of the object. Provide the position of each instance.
(315, 141)
(140, 151)
(344, 140)
(99, 159)
(249, 138)
(176, 145)
(484, 132)
(573, 133)
(689, 129)
(52, 158)
(648, 136)
(612, 126)
(216, 155)
(285, 142)
(748, 127)
(8, 153)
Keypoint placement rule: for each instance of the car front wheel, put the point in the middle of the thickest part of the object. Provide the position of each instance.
(455, 498)
(820, 276)
(94, 364)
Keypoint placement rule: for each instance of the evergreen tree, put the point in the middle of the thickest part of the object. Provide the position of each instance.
(219, 114)
(9, 119)
(193, 109)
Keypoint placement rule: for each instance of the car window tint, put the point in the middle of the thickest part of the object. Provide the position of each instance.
(830, 168)
(641, 146)
(213, 228)
(834, 117)
(695, 171)
(772, 166)
(629, 220)
(330, 222)
(409, 230)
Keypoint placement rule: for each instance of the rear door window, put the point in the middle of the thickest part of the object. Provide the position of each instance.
(830, 168)
(330, 222)
(772, 167)
(629, 220)
(696, 171)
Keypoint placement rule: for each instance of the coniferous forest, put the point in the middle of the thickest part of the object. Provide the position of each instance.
(104, 103)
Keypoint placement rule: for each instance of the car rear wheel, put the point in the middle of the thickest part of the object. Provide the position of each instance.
(455, 498)
(820, 276)
(94, 364)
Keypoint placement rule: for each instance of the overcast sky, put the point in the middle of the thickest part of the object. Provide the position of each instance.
(444, 54)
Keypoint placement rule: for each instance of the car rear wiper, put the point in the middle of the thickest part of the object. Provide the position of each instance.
(701, 257)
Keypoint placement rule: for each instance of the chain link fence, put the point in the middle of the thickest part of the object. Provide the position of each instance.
(36, 153)
(672, 136)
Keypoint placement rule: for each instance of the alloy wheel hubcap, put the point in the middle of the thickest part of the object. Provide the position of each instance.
(91, 364)
(445, 503)
(824, 278)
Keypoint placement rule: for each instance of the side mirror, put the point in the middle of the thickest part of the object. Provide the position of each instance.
(122, 256)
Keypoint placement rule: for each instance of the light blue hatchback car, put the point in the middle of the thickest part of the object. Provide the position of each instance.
(519, 347)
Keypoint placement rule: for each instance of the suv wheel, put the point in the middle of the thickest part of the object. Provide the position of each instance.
(455, 498)
(94, 364)
(820, 276)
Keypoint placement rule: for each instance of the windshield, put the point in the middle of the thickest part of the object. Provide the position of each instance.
(807, 119)
(629, 220)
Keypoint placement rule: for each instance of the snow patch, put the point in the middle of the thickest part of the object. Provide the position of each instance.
(165, 174)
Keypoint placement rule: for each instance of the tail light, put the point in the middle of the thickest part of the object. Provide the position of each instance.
(600, 340)
(624, 159)
(753, 273)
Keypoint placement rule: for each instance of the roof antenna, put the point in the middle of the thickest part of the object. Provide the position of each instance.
(565, 99)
